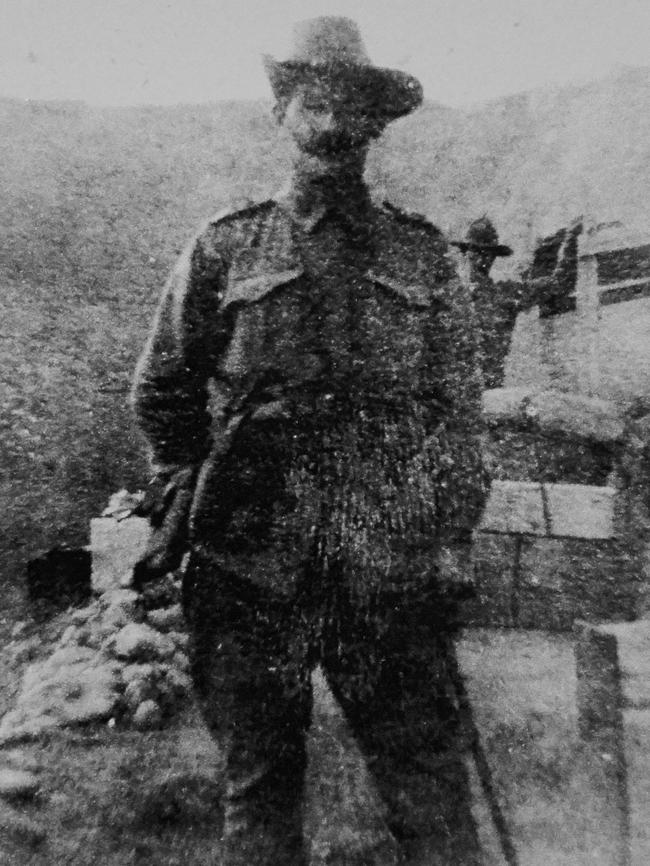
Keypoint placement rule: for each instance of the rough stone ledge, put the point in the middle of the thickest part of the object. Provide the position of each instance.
(555, 412)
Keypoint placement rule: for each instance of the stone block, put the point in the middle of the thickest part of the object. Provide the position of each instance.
(546, 583)
(544, 609)
(524, 453)
(542, 596)
(580, 510)
(116, 545)
(493, 557)
(514, 507)
(599, 696)
(614, 717)
(543, 564)
(633, 647)
(563, 579)
(636, 725)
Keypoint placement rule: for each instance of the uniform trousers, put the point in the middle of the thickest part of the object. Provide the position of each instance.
(384, 658)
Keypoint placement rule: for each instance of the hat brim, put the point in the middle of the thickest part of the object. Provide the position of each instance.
(386, 93)
(470, 246)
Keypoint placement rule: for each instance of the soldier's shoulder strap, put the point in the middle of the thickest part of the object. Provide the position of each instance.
(411, 218)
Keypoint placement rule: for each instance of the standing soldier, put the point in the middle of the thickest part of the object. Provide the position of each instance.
(496, 305)
(550, 283)
(310, 385)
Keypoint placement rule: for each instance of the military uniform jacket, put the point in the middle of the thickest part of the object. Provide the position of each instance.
(333, 406)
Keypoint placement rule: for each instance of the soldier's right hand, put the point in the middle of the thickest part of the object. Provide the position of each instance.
(168, 513)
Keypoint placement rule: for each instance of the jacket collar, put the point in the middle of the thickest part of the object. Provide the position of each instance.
(276, 259)
(307, 210)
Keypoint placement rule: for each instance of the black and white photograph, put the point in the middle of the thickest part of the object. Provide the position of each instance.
(325, 449)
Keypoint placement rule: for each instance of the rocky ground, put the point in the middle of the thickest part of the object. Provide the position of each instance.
(114, 789)
(121, 659)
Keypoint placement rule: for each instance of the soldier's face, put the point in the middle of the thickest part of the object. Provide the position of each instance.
(481, 262)
(327, 121)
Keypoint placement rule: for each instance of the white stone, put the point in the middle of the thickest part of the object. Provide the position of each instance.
(116, 545)
(25, 650)
(138, 691)
(69, 636)
(119, 597)
(120, 608)
(18, 759)
(122, 503)
(17, 784)
(101, 637)
(504, 404)
(82, 615)
(85, 637)
(140, 642)
(180, 639)
(167, 618)
(18, 629)
(147, 716)
(181, 661)
(74, 685)
(176, 681)
(133, 672)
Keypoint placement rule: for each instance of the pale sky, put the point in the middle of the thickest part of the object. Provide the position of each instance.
(121, 52)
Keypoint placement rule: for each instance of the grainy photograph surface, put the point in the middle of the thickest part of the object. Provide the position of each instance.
(325, 453)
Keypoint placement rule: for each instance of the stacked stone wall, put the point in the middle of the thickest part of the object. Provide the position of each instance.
(565, 532)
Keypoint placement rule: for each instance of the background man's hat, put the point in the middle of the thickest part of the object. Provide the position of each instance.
(331, 48)
(482, 237)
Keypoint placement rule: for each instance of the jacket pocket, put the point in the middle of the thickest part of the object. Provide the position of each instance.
(414, 292)
(247, 288)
